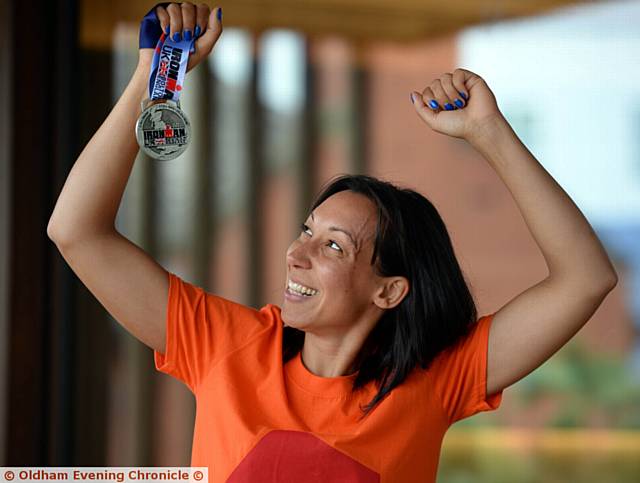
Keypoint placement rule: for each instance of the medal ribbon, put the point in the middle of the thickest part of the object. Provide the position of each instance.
(168, 68)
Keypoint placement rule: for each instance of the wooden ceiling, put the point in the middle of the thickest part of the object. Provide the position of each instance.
(358, 20)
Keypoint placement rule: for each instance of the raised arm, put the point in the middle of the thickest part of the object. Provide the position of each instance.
(89, 201)
(538, 322)
(125, 279)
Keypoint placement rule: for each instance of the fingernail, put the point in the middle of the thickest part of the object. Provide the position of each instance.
(433, 104)
(448, 107)
(458, 103)
(177, 37)
(198, 30)
(166, 30)
(220, 14)
(187, 35)
(464, 96)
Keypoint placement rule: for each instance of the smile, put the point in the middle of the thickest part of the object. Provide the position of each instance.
(298, 289)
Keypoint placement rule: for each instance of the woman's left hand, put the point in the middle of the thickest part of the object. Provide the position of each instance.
(454, 115)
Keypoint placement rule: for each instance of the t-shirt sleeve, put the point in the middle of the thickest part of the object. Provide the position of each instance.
(201, 329)
(459, 374)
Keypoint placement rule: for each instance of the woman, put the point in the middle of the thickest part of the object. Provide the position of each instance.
(377, 348)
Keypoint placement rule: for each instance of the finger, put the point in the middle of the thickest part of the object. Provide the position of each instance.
(211, 35)
(446, 80)
(470, 80)
(441, 95)
(175, 20)
(209, 38)
(188, 19)
(430, 100)
(427, 113)
(458, 84)
(163, 18)
(202, 15)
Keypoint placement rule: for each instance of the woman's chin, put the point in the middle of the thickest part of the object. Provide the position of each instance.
(291, 322)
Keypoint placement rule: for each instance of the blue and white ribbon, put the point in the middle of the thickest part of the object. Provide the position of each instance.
(168, 68)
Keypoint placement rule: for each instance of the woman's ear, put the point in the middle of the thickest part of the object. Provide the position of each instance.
(391, 292)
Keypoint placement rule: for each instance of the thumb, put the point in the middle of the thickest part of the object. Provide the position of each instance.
(422, 109)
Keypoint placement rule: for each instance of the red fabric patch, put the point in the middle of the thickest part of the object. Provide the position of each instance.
(296, 456)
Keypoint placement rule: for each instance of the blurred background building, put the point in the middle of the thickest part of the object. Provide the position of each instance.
(294, 94)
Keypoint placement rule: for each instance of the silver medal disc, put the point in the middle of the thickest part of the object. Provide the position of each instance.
(163, 130)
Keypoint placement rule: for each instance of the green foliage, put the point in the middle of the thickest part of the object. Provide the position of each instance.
(592, 390)
(592, 386)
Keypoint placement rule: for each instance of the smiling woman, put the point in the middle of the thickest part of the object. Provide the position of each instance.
(377, 349)
(376, 312)
(390, 294)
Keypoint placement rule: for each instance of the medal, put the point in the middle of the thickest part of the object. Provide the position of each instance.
(163, 131)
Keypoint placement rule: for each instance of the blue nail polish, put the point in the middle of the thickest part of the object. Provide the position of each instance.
(464, 96)
(433, 104)
(187, 35)
(177, 37)
(167, 30)
(448, 107)
(198, 30)
(220, 14)
(458, 103)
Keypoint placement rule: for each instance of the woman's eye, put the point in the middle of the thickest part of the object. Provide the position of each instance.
(307, 231)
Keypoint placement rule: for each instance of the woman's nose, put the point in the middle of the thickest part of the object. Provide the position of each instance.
(298, 255)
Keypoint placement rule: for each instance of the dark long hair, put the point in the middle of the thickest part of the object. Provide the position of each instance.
(411, 241)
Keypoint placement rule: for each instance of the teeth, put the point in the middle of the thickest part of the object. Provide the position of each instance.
(301, 289)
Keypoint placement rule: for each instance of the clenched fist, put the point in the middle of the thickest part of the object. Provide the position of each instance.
(457, 104)
(181, 21)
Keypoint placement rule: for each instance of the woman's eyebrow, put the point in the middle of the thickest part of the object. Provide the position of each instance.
(337, 228)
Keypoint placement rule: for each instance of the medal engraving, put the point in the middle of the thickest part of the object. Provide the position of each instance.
(163, 131)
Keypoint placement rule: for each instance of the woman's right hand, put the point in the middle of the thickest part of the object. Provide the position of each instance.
(186, 20)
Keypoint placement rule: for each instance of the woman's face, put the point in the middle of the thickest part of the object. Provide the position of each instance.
(332, 258)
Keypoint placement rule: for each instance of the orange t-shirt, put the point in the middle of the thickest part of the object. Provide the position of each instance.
(258, 420)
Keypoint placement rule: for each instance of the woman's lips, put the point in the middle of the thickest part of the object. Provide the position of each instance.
(294, 297)
(295, 282)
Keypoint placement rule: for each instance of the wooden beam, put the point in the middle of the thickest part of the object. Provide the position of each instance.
(358, 20)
